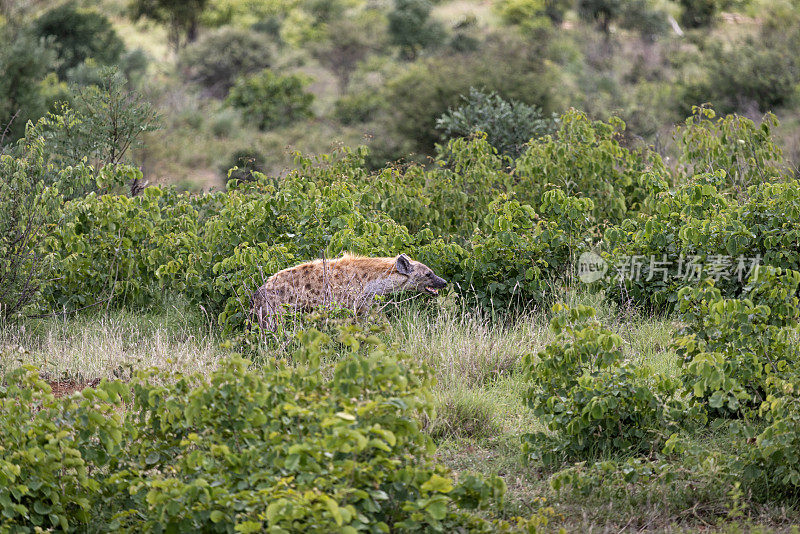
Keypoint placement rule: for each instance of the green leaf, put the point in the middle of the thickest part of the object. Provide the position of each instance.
(437, 484)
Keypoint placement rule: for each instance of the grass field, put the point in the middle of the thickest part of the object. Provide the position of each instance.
(480, 414)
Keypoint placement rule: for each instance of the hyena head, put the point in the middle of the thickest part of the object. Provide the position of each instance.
(420, 276)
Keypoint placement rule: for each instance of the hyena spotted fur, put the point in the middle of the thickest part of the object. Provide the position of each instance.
(350, 281)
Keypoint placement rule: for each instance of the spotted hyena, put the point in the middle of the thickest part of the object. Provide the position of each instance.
(350, 281)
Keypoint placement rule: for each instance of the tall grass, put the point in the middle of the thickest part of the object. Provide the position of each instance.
(106, 344)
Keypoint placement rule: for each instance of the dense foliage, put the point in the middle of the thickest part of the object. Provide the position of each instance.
(593, 400)
(270, 100)
(243, 450)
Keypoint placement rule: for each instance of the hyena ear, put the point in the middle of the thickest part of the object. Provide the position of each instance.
(403, 265)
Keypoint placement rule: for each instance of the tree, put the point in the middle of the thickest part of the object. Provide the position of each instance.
(642, 16)
(602, 12)
(216, 60)
(76, 35)
(411, 28)
(348, 41)
(272, 100)
(182, 16)
(428, 89)
(102, 125)
(28, 88)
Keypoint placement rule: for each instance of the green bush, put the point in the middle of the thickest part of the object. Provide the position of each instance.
(411, 27)
(28, 87)
(280, 449)
(730, 348)
(517, 257)
(358, 107)
(77, 35)
(772, 74)
(585, 158)
(29, 207)
(508, 125)
(50, 452)
(245, 161)
(699, 233)
(271, 100)
(772, 466)
(219, 58)
(530, 15)
(592, 400)
(505, 64)
(748, 153)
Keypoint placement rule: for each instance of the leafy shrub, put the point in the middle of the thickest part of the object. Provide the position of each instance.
(516, 258)
(219, 58)
(102, 251)
(247, 161)
(50, 451)
(271, 100)
(28, 88)
(698, 13)
(584, 158)
(505, 64)
(772, 465)
(225, 122)
(244, 450)
(29, 206)
(358, 107)
(594, 401)
(700, 233)
(530, 15)
(611, 477)
(730, 348)
(508, 125)
(411, 27)
(772, 74)
(77, 35)
(748, 153)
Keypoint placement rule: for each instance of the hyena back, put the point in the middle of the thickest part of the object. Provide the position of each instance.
(350, 281)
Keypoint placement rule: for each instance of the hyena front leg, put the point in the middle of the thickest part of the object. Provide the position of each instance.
(364, 304)
(264, 311)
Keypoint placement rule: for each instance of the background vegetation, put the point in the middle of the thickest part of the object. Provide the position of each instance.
(496, 143)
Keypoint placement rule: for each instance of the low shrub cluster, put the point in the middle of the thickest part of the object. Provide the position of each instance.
(592, 401)
(730, 349)
(738, 370)
(280, 449)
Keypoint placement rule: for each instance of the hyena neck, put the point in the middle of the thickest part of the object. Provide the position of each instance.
(386, 284)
